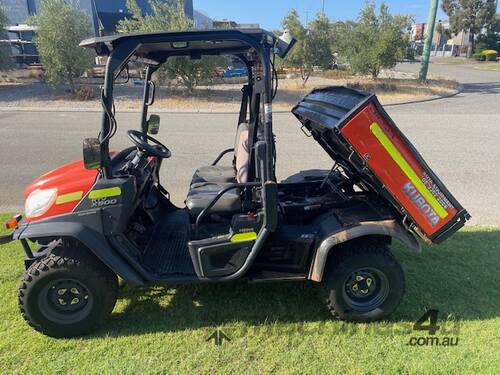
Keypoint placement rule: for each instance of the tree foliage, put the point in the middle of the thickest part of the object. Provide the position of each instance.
(486, 41)
(314, 46)
(5, 61)
(321, 41)
(169, 16)
(377, 41)
(297, 56)
(61, 27)
(470, 16)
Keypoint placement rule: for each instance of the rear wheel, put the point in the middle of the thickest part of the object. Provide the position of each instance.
(68, 293)
(364, 282)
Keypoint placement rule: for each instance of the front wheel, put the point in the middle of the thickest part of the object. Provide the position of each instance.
(364, 283)
(68, 293)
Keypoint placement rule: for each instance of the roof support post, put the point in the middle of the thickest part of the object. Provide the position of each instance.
(268, 113)
(116, 61)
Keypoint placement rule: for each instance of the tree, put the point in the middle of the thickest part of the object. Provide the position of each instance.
(321, 41)
(314, 46)
(297, 57)
(376, 42)
(443, 32)
(61, 27)
(486, 41)
(470, 16)
(5, 61)
(170, 15)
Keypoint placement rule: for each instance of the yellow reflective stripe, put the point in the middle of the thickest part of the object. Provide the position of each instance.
(407, 169)
(70, 197)
(244, 237)
(105, 193)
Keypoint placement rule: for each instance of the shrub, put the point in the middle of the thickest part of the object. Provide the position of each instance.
(479, 56)
(169, 15)
(85, 93)
(376, 42)
(314, 46)
(61, 27)
(490, 55)
(486, 41)
(5, 62)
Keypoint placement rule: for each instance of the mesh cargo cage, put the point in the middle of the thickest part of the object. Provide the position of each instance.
(357, 132)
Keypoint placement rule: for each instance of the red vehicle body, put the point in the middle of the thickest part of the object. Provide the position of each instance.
(72, 182)
(396, 166)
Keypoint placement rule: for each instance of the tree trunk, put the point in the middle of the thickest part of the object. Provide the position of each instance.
(305, 74)
(470, 47)
(71, 83)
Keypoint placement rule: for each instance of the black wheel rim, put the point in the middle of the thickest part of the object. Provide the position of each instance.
(366, 289)
(65, 301)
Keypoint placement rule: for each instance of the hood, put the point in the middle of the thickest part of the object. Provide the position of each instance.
(72, 182)
(355, 130)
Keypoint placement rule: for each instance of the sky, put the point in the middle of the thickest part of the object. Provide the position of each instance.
(269, 13)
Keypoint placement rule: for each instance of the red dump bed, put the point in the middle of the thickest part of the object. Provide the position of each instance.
(355, 130)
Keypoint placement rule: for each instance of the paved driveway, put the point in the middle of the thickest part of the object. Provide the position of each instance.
(459, 137)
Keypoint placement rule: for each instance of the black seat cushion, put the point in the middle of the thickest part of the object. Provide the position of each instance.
(200, 196)
(214, 173)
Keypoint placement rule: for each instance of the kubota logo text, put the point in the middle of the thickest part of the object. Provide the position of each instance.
(421, 203)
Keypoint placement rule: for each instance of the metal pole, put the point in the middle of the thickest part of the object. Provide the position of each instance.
(428, 40)
(323, 7)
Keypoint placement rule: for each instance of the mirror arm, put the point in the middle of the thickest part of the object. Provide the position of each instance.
(146, 100)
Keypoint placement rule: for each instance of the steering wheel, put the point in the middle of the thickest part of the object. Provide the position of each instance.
(155, 148)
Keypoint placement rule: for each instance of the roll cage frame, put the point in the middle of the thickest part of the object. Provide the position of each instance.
(255, 48)
(252, 46)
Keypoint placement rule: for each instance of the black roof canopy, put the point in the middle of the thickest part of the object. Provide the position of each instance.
(154, 46)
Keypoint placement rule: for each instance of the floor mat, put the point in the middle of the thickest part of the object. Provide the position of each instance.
(167, 253)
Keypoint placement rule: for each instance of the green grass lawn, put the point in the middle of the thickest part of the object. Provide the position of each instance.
(277, 328)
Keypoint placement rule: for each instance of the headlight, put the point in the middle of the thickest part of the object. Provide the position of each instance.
(39, 201)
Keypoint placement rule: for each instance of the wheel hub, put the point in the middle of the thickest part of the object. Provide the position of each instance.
(366, 289)
(362, 284)
(68, 296)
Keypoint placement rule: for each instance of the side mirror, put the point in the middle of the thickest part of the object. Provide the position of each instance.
(153, 124)
(92, 153)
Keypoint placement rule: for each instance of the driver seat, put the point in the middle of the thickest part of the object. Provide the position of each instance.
(202, 194)
(220, 173)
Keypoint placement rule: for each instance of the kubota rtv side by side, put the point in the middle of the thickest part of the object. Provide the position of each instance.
(108, 215)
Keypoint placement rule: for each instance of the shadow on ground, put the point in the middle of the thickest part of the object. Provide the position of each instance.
(457, 278)
(482, 87)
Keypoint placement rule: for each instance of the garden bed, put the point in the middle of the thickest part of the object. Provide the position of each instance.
(224, 96)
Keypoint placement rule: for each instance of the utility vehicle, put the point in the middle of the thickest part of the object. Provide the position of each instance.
(108, 215)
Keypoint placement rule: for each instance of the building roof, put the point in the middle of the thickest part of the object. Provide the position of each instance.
(20, 28)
